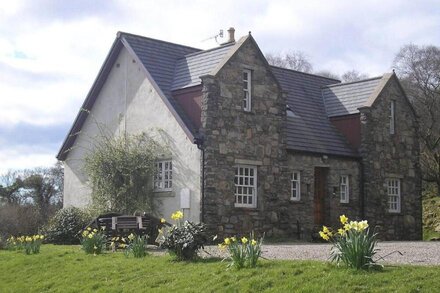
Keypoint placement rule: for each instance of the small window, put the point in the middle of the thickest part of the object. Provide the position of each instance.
(392, 117)
(163, 178)
(247, 100)
(245, 186)
(295, 186)
(393, 195)
(344, 189)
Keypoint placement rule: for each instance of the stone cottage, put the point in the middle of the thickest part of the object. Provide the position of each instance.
(253, 146)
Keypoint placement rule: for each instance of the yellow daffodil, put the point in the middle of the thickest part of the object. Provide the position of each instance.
(233, 239)
(227, 241)
(41, 237)
(177, 215)
(325, 229)
(94, 230)
(221, 246)
(343, 219)
(363, 225)
(117, 238)
(162, 220)
(122, 245)
(112, 244)
(89, 229)
(102, 228)
(244, 240)
(341, 231)
(90, 236)
(253, 242)
(123, 239)
(131, 236)
(324, 235)
(94, 247)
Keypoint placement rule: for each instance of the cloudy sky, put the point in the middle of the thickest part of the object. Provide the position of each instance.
(51, 51)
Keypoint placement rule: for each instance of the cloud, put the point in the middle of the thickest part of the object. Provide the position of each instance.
(51, 51)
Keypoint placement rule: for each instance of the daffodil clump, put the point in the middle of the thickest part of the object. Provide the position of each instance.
(29, 244)
(353, 243)
(182, 240)
(136, 245)
(243, 252)
(93, 240)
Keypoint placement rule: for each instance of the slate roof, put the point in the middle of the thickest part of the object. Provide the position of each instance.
(191, 67)
(309, 129)
(160, 59)
(311, 98)
(346, 98)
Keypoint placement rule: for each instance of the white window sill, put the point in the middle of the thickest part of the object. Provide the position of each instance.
(246, 206)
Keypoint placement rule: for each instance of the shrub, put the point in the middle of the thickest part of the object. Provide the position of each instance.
(64, 227)
(353, 244)
(19, 219)
(136, 246)
(93, 241)
(183, 241)
(243, 252)
(120, 171)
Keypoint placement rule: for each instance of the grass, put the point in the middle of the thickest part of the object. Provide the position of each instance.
(68, 269)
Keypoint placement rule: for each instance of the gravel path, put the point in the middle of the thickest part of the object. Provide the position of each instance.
(415, 253)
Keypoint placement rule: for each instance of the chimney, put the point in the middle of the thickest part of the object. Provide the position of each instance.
(231, 32)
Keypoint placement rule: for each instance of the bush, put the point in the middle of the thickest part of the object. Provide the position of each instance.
(93, 241)
(243, 252)
(353, 244)
(183, 241)
(65, 226)
(19, 220)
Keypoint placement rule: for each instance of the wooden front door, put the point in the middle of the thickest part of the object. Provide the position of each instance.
(320, 195)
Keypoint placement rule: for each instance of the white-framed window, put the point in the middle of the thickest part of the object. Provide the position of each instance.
(393, 187)
(392, 117)
(295, 183)
(245, 186)
(344, 189)
(163, 177)
(247, 95)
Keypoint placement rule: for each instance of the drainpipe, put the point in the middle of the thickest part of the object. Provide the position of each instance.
(200, 145)
(362, 190)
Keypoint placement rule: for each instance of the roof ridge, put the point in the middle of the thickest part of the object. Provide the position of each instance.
(120, 33)
(205, 51)
(305, 73)
(353, 82)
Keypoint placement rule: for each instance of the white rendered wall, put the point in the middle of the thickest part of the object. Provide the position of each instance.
(128, 102)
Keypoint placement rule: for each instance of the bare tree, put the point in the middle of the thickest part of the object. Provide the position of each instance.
(353, 75)
(295, 60)
(328, 74)
(419, 69)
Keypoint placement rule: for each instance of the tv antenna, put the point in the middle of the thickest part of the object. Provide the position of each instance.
(220, 34)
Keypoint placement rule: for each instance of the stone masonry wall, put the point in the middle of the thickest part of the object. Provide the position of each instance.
(388, 155)
(303, 210)
(233, 136)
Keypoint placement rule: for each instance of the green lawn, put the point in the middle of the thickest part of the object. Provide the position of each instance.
(68, 269)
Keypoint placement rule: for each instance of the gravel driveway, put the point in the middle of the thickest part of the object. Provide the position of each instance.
(415, 253)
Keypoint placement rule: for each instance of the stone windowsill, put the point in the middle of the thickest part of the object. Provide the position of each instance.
(164, 193)
(294, 201)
